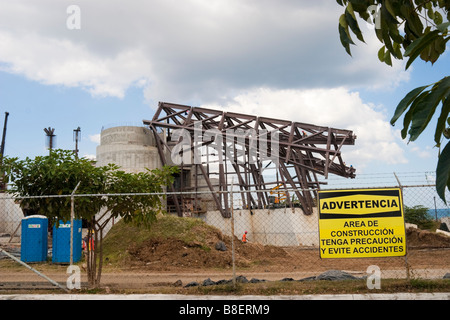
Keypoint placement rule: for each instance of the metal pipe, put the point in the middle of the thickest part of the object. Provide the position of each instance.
(72, 215)
(34, 270)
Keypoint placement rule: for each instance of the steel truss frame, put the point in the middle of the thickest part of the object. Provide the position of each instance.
(299, 153)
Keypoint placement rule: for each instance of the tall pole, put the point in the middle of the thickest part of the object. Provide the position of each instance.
(76, 134)
(406, 255)
(72, 216)
(50, 134)
(435, 209)
(2, 149)
(232, 235)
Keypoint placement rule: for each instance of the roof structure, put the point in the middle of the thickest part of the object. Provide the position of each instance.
(262, 154)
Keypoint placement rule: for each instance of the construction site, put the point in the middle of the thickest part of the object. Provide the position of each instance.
(238, 174)
(272, 165)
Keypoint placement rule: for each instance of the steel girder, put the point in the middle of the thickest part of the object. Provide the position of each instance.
(246, 146)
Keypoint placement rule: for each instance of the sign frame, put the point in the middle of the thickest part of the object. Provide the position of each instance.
(361, 223)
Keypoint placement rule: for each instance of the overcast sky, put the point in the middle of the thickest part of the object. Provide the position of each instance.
(275, 58)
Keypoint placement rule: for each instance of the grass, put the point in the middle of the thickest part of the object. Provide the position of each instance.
(317, 287)
(274, 288)
(123, 235)
(279, 288)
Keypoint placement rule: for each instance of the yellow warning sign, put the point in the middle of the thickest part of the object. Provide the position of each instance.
(361, 223)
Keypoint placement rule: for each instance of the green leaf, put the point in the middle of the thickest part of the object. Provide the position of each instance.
(352, 23)
(430, 14)
(440, 127)
(381, 53)
(425, 109)
(406, 101)
(443, 172)
(440, 45)
(385, 34)
(419, 45)
(443, 27)
(388, 58)
(345, 39)
(390, 8)
(395, 34)
(398, 51)
(409, 115)
(438, 18)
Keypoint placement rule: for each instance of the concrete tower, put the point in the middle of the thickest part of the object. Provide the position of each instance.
(131, 148)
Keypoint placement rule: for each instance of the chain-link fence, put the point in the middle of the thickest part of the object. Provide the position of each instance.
(216, 239)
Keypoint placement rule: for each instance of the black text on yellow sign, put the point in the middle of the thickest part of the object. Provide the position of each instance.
(361, 223)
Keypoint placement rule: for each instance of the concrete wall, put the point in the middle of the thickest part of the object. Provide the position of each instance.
(279, 227)
(10, 215)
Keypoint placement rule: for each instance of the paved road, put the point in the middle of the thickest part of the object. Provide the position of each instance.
(381, 296)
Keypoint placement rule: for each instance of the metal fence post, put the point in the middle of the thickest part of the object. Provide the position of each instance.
(406, 240)
(232, 234)
(72, 215)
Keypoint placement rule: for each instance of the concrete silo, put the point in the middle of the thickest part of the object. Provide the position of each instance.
(131, 148)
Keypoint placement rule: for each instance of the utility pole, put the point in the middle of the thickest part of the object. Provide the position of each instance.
(76, 135)
(50, 132)
(2, 148)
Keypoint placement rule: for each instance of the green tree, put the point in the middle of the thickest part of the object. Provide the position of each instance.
(33, 180)
(411, 29)
(418, 215)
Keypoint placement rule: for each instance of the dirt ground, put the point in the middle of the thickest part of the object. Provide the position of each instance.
(166, 261)
(426, 250)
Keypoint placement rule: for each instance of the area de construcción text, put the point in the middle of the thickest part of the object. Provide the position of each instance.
(362, 237)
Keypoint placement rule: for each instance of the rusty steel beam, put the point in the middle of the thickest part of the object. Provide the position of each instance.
(308, 149)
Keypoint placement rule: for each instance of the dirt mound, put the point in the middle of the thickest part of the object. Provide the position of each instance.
(193, 246)
(165, 253)
(190, 244)
(418, 238)
(169, 253)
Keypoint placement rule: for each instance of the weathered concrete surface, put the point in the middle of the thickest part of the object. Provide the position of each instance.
(375, 296)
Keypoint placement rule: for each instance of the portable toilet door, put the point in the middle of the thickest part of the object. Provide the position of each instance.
(61, 242)
(34, 240)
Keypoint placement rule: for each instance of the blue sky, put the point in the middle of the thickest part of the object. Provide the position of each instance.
(33, 106)
(280, 59)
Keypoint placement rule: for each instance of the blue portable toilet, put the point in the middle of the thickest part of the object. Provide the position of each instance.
(34, 241)
(61, 242)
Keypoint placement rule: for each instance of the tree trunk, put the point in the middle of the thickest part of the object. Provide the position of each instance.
(91, 257)
(95, 252)
(100, 261)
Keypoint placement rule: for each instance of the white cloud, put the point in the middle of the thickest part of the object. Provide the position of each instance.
(91, 157)
(420, 152)
(262, 56)
(189, 50)
(71, 64)
(339, 108)
(95, 138)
